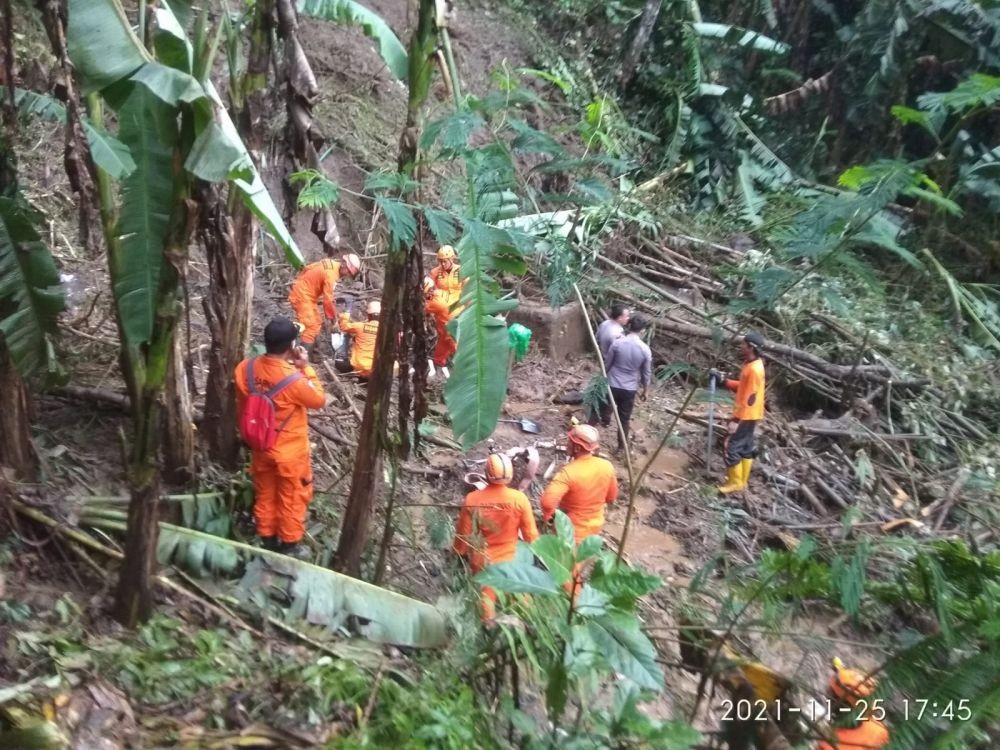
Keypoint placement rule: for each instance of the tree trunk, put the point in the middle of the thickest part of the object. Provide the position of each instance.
(178, 449)
(229, 238)
(373, 438)
(15, 419)
(650, 14)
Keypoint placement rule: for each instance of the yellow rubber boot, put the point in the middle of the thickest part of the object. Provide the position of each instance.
(745, 465)
(734, 477)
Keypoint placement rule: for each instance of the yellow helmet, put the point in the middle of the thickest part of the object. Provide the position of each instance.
(499, 469)
(850, 685)
(374, 308)
(586, 436)
(446, 252)
(351, 264)
(429, 285)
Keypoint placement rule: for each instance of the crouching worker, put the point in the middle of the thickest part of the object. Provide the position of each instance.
(850, 693)
(490, 522)
(364, 333)
(273, 392)
(317, 284)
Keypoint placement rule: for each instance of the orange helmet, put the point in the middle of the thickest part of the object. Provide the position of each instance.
(352, 264)
(849, 685)
(585, 436)
(374, 308)
(429, 285)
(446, 252)
(499, 469)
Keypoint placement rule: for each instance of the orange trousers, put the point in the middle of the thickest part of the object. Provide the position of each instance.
(444, 349)
(282, 493)
(307, 315)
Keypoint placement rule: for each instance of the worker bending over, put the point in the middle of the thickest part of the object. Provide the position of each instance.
(583, 487)
(282, 474)
(317, 283)
(489, 524)
(437, 307)
(747, 412)
(446, 275)
(630, 369)
(848, 693)
(365, 333)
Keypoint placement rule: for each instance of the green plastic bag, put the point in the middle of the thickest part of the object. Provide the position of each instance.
(519, 337)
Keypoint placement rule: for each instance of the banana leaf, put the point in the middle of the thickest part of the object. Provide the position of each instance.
(30, 297)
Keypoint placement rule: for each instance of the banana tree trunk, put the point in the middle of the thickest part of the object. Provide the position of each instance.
(134, 595)
(178, 448)
(373, 438)
(230, 238)
(15, 419)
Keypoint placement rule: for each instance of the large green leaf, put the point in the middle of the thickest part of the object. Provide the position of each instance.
(147, 127)
(101, 43)
(519, 576)
(316, 594)
(108, 152)
(741, 37)
(30, 298)
(372, 24)
(627, 649)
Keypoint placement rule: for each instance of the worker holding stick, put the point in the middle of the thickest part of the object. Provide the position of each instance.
(739, 448)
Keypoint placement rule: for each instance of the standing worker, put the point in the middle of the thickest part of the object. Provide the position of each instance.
(849, 695)
(630, 368)
(446, 275)
(273, 392)
(317, 283)
(364, 333)
(437, 307)
(582, 487)
(747, 412)
(489, 524)
(613, 328)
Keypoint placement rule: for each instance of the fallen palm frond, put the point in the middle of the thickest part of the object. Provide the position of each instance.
(314, 594)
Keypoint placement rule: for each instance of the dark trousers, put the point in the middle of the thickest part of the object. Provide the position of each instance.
(625, 401)
(740, 444)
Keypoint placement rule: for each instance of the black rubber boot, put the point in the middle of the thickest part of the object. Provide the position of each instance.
(295, 549)
(269, 543)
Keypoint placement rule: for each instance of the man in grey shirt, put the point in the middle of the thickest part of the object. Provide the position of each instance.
(630, 367)
(613, 328)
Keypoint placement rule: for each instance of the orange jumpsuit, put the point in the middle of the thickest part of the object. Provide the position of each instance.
(581, 489)
(316, 282)
(487, 531)
(282, 476)
(363, 348)
(449, 282)
(749, 391)
(437, 307)
(869, 734)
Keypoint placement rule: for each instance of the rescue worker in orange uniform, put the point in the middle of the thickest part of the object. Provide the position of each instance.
(437, 307)
(317, 283)
(584, 486)
(847, 688)
(446, 275)
(490, 522)
(364, 333)
(747, 412)
(282, 476)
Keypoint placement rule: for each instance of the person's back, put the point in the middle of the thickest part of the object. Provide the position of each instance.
(608, 332)
(868, 734)
(365, 334)
(290, 404)
(489, 524)
(629, 363)
(316, 278)
(581, 489)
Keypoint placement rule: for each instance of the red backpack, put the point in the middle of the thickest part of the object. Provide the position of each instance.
(258, 420)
